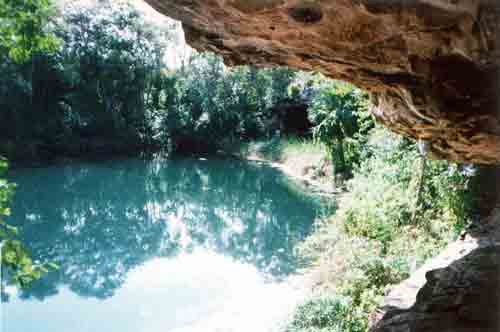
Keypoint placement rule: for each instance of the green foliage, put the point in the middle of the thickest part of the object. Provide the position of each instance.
(334, 111)
(369, 277)
(368, 274)
(375, 228)
(325, 314)
(361, 279)
(341, 121)
(448, 192)
(295, 152)
(16, 264)
(23, 28)
(383, 192)
(210, 106)
(101, 83)
(107, 88)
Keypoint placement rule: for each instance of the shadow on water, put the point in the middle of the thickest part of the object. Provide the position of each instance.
(99, 221)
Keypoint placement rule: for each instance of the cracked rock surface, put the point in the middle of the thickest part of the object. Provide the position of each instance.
(459, 291)
(431, 65)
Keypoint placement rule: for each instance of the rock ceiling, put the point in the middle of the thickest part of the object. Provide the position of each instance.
(431, 65)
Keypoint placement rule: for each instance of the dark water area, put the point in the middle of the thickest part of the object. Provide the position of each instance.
(157, 245)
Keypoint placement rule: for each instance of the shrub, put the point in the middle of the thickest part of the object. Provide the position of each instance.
(340, 118)
(381, 231)
(372, 275)
(376, 208)
(324, 314)
(382, 199)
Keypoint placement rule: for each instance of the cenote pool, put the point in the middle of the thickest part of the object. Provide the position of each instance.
(185, 245)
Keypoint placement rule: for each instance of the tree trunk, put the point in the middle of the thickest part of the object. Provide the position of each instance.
(338, 162)
(419, 187)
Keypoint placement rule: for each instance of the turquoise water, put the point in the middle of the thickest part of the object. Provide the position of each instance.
(160, 245)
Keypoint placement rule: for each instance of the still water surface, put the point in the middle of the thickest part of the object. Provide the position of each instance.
(158, 246)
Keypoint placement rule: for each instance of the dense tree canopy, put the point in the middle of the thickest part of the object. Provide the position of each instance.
(96, 84)
(24, 28)
(107, 87)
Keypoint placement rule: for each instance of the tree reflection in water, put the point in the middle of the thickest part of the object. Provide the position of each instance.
(100, 220)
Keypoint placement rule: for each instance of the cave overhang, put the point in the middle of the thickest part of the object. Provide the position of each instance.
(431, 66)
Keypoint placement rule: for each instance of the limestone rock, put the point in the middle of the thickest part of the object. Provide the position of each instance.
(430, 65)
(460, 297)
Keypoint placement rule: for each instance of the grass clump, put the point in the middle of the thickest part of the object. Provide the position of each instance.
(301, 156)
(280, 149)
